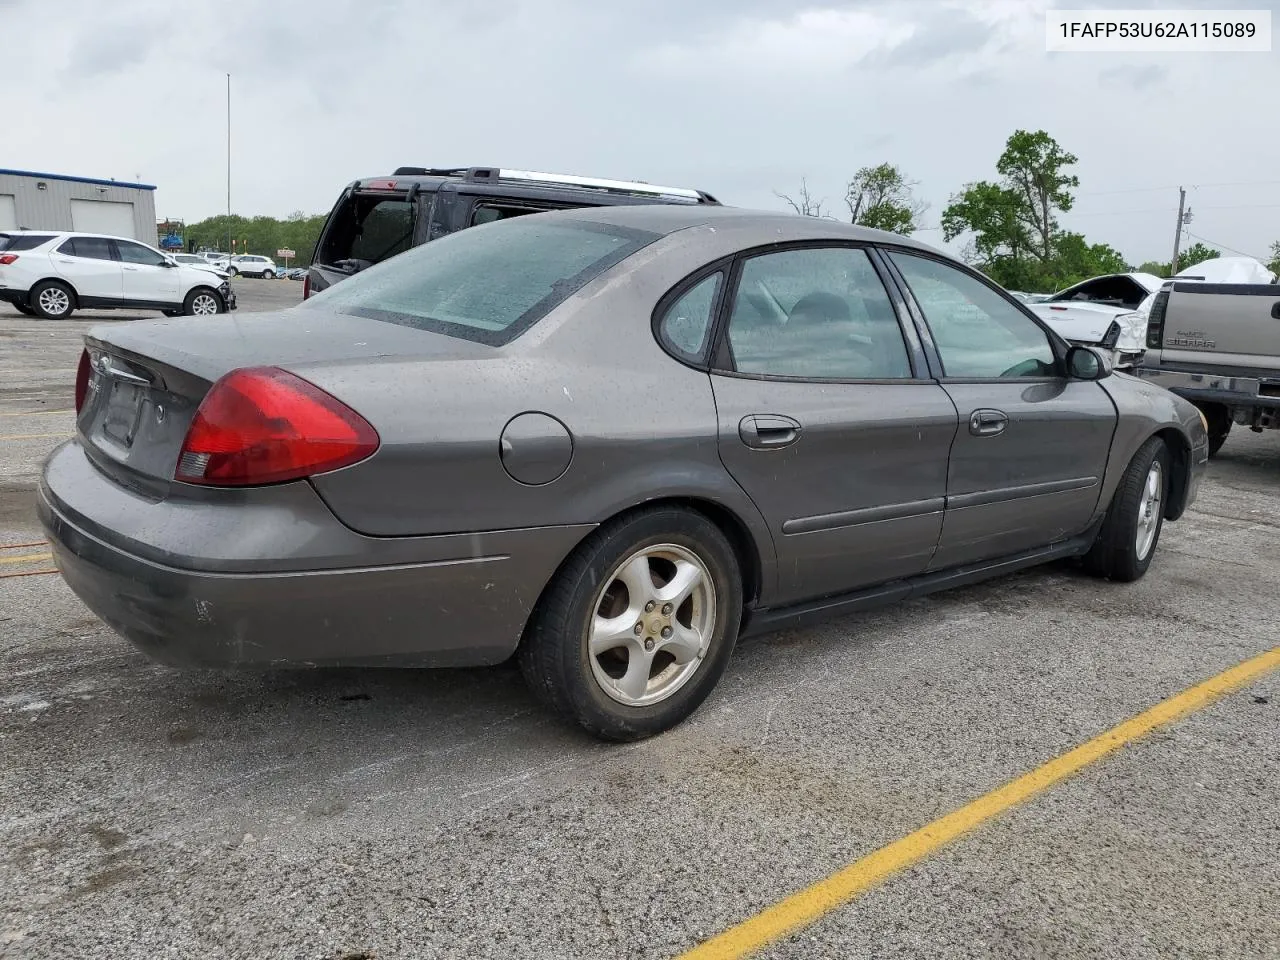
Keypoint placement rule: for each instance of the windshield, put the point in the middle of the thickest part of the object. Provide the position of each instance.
(486, 283)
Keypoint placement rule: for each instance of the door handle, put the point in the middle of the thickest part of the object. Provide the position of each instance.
(988, 423)
(762, 431)
(132, 269)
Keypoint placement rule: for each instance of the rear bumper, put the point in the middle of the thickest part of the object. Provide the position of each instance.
(11, 295)
(458, 600)
(1214, 387)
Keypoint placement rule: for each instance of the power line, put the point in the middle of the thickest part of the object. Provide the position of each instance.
(1224, 246)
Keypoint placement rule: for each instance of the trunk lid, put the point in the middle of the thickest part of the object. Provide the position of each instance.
(148, 378)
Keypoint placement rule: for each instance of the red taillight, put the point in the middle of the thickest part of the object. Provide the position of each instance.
(7, 258)
(265, 425)
(83, 373)
(306, 286)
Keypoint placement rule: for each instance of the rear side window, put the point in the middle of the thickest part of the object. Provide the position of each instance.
(685, 325)
(487, 283)
(368, 228)
(489, 212)
(23, 241)
(90, 248)
(816, 313)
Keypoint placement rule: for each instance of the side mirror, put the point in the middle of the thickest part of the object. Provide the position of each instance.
(1087, 363)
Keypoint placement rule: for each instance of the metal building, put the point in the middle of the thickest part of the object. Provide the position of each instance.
(52, 201)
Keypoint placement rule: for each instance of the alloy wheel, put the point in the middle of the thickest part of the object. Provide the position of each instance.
(1149, 510)
(651, 624)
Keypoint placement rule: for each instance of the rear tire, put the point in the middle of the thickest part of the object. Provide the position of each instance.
(671, 573)
(202, 302)
(52, 300)
(1127, 541)
(1219, 419)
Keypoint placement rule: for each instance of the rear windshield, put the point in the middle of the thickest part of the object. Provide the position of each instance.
(23, 241)
(369, 229)
(486, 283)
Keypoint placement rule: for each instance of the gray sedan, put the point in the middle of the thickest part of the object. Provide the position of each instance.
(609, 442)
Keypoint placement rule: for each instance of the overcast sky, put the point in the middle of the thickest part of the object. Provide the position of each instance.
(737, 97)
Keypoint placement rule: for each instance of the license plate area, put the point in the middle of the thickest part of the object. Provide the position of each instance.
(123, 413)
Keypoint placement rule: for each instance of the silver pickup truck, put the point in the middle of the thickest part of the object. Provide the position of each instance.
(1218, 345)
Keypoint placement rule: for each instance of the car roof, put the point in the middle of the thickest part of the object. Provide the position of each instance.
(772, 225)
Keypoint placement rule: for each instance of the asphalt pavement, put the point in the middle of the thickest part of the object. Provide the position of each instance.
(150, 812)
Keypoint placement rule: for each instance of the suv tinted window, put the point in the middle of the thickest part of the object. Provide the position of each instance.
(91, 248)
(368, 228)
(137, 253)
(977, 332)
(22, 241)
(486, 283)
(818, 313)
(488, 212)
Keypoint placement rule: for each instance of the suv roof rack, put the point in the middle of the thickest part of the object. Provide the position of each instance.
(490, 174)
(430, 172)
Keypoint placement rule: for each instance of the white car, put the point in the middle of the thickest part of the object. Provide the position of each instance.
(1103, 311)
(51, 274)
(195, 260)
(252, 266)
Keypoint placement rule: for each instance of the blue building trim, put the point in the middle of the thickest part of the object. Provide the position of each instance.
(60, 176)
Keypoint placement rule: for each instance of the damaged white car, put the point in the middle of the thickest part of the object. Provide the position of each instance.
(1103, 311)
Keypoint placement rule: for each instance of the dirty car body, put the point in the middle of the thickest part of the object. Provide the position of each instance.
(695, 360)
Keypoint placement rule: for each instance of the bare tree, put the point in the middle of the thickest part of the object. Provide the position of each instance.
(804, 204)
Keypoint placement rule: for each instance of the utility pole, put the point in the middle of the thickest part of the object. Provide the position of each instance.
(1177, 236)
(229, 168)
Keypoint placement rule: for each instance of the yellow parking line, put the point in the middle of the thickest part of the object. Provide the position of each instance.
(811, 904)
(28, 558)
(35, 413)
(35, 436)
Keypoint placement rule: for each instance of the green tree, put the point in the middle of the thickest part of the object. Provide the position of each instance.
(881, 197)
(1274, 265)
(1196, 253)
(1033, 164)
(1000, 241)
(1076, 259)
(1155, 267)
(259, 235)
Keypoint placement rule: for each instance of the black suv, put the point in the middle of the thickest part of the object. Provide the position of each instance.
(377, 218)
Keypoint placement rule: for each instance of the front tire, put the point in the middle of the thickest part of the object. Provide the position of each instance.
(52, 300)
(638, 625)
(233, 272)
(268, 275)
(1127, 541)
(202, 302)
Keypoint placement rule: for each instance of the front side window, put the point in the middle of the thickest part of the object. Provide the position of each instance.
(817, 313)
(137, 253)
(486, 283)
(89, 248)
(687, 322)
(978, 333)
